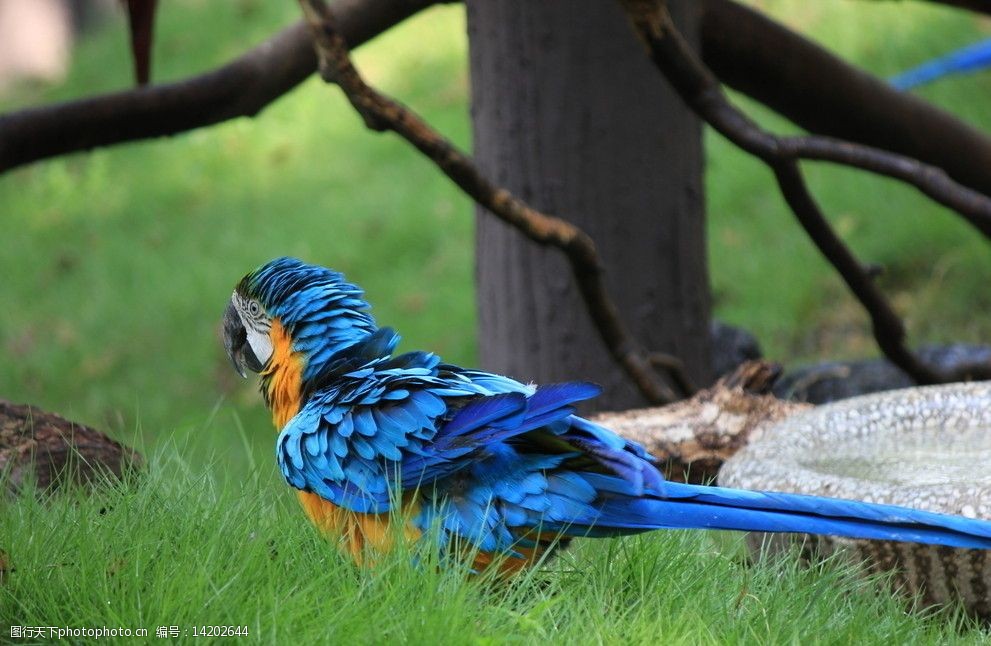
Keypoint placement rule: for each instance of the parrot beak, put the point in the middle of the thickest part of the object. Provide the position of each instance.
(235, 339)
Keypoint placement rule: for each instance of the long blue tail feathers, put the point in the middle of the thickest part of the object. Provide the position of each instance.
(686, 506)
(637, 498)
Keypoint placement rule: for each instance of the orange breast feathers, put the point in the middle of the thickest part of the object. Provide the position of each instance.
(358, 532)
(284, 374)
(363, 536)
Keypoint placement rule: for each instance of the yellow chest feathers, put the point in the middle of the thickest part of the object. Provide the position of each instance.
(284, 375)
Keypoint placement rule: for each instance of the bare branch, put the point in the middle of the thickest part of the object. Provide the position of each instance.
(978, 6)
(888, 328)
(975, 207)
(700, 90)
(382, 113)
(825, 95)
(240, 88)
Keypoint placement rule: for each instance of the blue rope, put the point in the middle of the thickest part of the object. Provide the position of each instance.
(967, 59)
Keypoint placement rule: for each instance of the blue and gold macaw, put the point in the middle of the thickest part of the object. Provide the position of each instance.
(504, 467)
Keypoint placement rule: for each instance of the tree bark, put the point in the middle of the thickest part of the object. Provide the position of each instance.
(569, 115)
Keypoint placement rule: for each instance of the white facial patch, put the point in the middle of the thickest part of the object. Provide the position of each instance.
(257, 335)
(260, 344)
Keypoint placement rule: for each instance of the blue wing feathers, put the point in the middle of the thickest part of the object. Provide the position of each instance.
(484, 411)
(553, 396)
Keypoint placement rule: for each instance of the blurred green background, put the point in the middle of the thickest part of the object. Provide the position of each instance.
(117, 264)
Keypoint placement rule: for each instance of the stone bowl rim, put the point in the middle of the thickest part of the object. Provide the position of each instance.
(772, 462)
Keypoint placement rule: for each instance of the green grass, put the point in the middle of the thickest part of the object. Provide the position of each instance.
(179, 547)
(117, 265)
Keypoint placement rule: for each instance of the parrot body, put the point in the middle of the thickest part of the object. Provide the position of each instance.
(491, 463)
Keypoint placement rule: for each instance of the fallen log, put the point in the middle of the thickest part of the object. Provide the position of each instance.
(51, 449)
(692, 438)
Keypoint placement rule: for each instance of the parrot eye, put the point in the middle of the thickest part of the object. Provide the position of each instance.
(253, 308)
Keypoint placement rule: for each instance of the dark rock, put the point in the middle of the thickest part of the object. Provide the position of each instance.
(952, 357)
(830, 381)
(731, 348)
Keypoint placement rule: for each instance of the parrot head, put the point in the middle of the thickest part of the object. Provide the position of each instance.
(288, 320)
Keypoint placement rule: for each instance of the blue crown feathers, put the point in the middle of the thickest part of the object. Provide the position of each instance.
(323, 313)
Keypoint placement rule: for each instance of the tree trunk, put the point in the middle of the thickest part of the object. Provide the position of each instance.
(570, 115)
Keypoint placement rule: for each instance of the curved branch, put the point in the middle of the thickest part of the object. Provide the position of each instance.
(977, 6)
(888, 328)
(823, 94)
(975, 207)
(382, 113)
(701, 91)
(240, 88)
